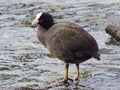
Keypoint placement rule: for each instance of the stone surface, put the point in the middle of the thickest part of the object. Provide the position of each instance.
(114, 31)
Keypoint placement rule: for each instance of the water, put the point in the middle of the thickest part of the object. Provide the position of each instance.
(25, 62)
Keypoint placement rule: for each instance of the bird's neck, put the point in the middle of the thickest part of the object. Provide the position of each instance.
(41, 34)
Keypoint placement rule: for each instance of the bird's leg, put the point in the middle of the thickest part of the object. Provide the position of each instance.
(77, 72)
(66, 74)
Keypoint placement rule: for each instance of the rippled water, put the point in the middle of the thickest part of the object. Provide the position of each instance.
(25, 62)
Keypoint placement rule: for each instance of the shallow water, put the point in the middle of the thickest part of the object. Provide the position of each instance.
(25, 62)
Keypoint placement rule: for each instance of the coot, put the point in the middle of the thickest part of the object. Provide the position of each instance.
(67, 41)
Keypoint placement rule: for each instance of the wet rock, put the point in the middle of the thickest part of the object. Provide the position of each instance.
(24, 88)
(114, 31)
(4, 68)
(16, 6)
(12, 88)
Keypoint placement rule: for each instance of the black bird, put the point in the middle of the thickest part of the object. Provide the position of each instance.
(67, 41)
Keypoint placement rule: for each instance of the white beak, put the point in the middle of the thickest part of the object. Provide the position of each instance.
(35, 22)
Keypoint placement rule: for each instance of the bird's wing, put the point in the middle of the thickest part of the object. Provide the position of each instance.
(74, 37)
(69, 38)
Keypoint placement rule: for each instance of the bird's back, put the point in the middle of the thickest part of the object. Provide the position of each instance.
(71, 43)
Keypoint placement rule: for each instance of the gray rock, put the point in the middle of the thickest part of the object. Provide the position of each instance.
(114, 31)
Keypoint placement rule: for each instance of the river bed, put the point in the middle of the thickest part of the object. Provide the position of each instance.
(24, 62)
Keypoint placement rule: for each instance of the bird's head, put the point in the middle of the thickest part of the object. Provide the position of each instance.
(43, 19)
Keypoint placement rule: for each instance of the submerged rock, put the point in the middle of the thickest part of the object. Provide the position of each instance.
(12, 88)
(114, 31)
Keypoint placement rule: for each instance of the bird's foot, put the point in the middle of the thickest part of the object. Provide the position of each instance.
(76, 81)
(67, 81)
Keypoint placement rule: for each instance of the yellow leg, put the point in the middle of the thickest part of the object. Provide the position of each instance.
(66, 78)
(77, 71)
(66, 71)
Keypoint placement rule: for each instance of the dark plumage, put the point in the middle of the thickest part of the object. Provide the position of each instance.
(67, 41)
